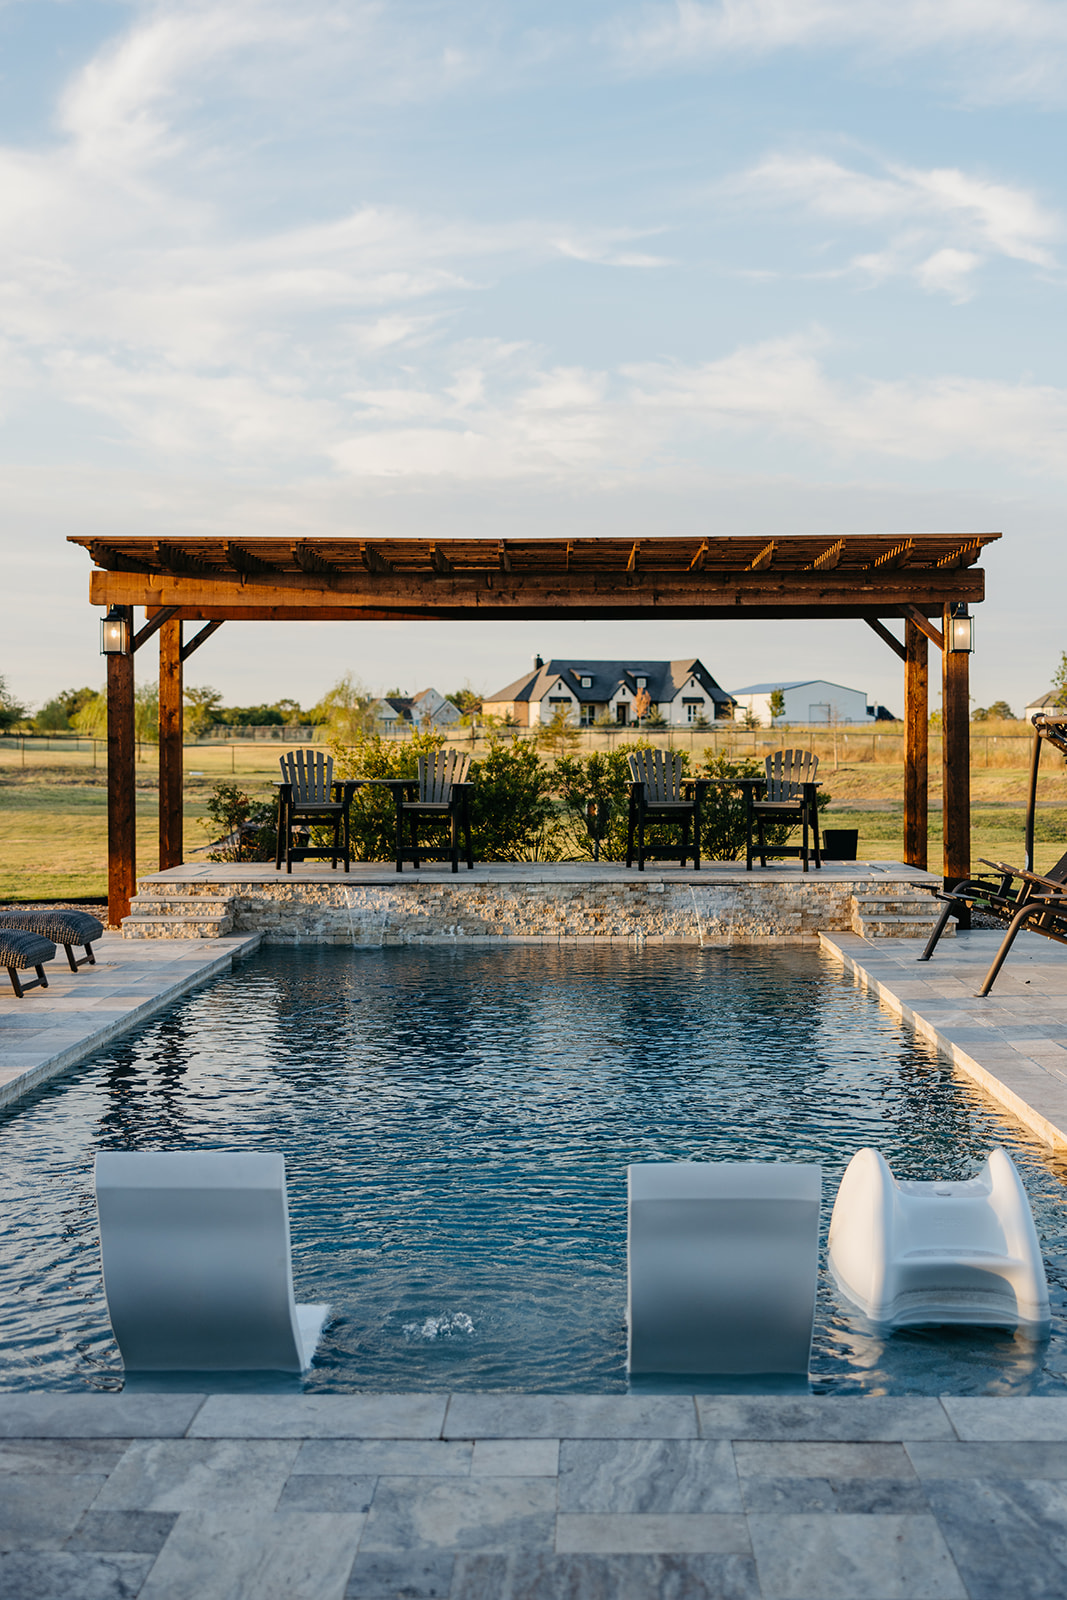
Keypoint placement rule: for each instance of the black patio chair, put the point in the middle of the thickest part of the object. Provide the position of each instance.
(787, 794)
(660, 792)
(308, 797)
(68, 928)
(1016, 896)
(440, 794)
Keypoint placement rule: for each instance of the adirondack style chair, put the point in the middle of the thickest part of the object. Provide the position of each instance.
(308, 797)
(1017, 896)
(441, 794)
(660, 792)
(787, 794)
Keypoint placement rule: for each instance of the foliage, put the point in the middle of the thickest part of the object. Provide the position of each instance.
(244, 829)
(467, 701)
(57, 714)
(146, 714)
(250, 717)
(655, 718)
(1059, 683)
(750, 719)
(594, 795)
(777, 704)
(999, 711)
(511, 804)
(11, 710)
(347, 710)
(91, 718)
(204, 709)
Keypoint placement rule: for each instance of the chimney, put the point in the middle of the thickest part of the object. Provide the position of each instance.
(538, 663)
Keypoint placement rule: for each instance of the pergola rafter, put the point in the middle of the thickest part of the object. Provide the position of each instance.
(876, 578)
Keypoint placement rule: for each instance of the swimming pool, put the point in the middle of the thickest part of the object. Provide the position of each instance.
(457, 1124)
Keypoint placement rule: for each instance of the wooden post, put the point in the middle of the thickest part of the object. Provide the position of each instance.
(956, 758)
(171, 801)
(916, 745)
(121, 785)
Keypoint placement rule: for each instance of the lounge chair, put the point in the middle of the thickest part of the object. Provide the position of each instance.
(309, 797)
(911, 1253)
(787, 794)
(197, 1272)
(440, 794)
(67, 928)
(722, 1265)
(1017, 896)
(19, 952)
(660, 792)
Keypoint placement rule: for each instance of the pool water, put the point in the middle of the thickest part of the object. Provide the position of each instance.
(457, 1124)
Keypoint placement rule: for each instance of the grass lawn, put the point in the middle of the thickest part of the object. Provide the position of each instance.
(53, 813)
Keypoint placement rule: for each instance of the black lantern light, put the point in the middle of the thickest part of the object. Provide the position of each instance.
(115, 633)
(960, 628)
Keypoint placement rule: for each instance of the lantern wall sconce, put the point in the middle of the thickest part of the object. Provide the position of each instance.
(960, 628)
(115, 632)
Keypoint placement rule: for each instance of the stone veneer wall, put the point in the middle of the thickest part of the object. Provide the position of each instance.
(313, 913)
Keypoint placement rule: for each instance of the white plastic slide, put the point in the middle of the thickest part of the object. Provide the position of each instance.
(197, 1272)
(909, 1253)
(722, 1265)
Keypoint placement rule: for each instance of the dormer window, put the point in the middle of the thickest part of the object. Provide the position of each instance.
(587, 683)
(642, 683)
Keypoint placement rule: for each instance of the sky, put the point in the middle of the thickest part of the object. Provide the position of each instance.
(510, 270)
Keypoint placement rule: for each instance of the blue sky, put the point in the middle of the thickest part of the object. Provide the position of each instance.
(762, 266)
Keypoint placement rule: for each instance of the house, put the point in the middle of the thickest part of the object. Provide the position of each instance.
(1046, 702)
(427, 709)
(809, 700)
(683, 692)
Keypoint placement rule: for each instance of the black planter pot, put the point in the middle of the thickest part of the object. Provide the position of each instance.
(840, 844)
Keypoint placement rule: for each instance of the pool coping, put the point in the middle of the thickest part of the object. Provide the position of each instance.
(1008, 1042)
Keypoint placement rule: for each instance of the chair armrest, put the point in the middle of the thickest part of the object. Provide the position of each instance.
(285, 792)
(637, 788)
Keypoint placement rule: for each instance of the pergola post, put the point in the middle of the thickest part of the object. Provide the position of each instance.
(916, 745)
(955, 757)
(121, 783)
(171, 777)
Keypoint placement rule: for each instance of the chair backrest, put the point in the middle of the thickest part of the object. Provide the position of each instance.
(1058, 873)
(311, 774)
(722, 1262)
(439, 771)
(787, 770)
(661, 772)
(195, 1251)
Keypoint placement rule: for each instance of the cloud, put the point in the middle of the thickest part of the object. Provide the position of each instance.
(1007, 48)
(940, 223)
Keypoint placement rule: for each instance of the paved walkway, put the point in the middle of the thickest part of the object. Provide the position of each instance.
(80, 1012)
(1013, 1043)
(505, 1497)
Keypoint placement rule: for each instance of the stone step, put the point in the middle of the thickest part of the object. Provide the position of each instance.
(176, 927)
(179, 905)
(898, 916)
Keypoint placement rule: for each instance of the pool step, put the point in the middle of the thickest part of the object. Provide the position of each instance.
(897, 916)
(183, 916)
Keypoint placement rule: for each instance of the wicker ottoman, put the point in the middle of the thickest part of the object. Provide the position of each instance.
(21, 950)
(63, 927)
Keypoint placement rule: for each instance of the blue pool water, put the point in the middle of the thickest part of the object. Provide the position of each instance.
(457, 1125)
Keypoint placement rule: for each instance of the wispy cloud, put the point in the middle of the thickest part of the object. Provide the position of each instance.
(1006, 48)
(938, 224)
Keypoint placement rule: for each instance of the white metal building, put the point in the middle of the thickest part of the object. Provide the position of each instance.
(811, 700)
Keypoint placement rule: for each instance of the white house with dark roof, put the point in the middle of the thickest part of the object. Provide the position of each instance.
(427, 709)
(807, 700)
(684, 693)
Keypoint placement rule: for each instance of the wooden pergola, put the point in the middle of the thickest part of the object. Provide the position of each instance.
(921, 581)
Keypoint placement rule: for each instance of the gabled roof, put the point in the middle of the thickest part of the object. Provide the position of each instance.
(796, 683)
(664, 680)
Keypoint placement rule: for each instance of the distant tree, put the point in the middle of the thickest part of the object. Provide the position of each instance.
(777, 704)
(642, 704)
(91, 717)
(466, 700)
(250, 716)
(999, 711)
(52, 717)
(204, 709)
(559, 734)
(750, 719)
(397, 694)
(347, 709)
(11, 710)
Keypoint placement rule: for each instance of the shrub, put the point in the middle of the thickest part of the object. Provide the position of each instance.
(511, 804)
(594, 794)
(373, 814)
(248, 828)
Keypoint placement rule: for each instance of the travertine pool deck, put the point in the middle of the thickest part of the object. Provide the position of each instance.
(80, 1012)
(528, 1497)
(1013, 1043)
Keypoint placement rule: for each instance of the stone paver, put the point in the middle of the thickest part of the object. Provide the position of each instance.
(800, 1499)
(1011, 1043)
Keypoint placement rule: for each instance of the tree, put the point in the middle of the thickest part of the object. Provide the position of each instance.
(1059, 683)
(347, 710)
(11, 710)
(777, 706)
(466, 700)
(558, 734)
(999, 711)
(642, 704)
(205, 706)
(750, 719)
